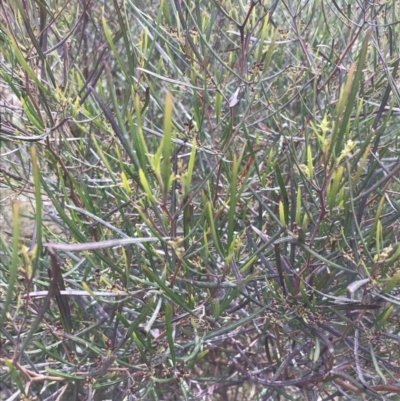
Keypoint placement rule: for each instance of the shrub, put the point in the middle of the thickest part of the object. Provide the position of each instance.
(221, 182)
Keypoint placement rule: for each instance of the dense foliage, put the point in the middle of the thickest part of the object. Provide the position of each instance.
(199, 200)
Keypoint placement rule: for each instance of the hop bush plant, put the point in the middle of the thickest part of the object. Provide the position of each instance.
(199, 200)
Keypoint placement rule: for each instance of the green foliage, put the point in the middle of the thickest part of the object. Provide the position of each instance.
(205, 202)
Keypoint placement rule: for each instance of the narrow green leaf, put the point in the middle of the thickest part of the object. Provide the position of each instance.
(146, 187)
(284, 196)
(25, 65)
(172, 295)
(124, 29)
(317, 350)
(233, 200)
(104, 159)
(248, 264)
(298, 207)
(169, 331)
(15, 375)
(310, 162)
(31, 113)
(375, 362)
(344, 94)
(218, 105)
(353, 93)
(67, 376)
(226, 302)
(167, 145)
(199, 356)
(394, 256)
(392, 283)
(138, 137)
(13, 268)
(38, 213)
(374, 228)
(140, 347)
(268, 55)
(210, 215)
(110, 41)
(360, 168)
(334, 187)
(166, 79)
(188, 176)
(282, 216)
(263, 36)
(136, 322)
(382, 317)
